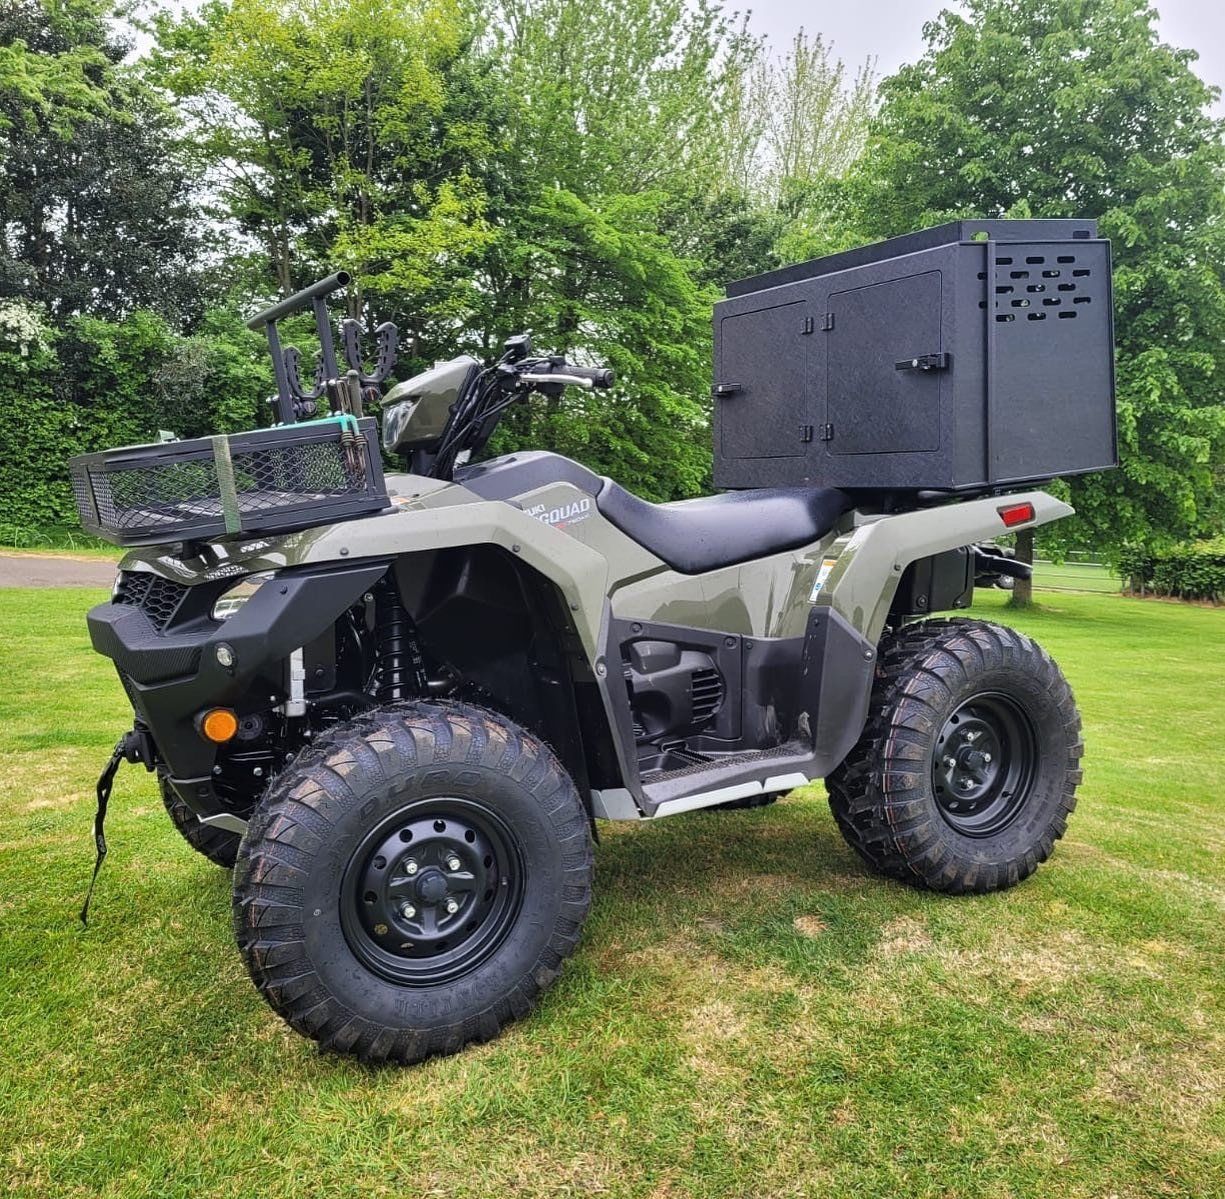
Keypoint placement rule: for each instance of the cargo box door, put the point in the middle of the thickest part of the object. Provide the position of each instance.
(761, 383)
(872, 406)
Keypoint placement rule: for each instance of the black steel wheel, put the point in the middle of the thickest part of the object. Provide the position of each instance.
(967, 769)
(983, 764)
(431, 892)
(414, 882)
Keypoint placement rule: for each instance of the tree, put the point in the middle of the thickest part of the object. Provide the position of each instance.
(323, 126)
(797, 124)
(95, 211)
(607, 228)
(1063, 108)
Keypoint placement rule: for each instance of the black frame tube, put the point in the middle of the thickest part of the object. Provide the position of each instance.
(300, 299)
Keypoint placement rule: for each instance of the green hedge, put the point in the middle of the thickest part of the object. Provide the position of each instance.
(97, 384)
(1192, 572)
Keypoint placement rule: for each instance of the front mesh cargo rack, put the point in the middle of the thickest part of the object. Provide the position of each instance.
(301, 473)
(261, 482)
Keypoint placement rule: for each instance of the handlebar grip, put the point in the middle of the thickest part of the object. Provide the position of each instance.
(600, 376)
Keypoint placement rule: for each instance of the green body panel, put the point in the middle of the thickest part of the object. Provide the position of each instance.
(596, 566)
(605, 578)
(871, 559)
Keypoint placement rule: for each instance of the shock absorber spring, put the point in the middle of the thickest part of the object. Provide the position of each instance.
(401, 670)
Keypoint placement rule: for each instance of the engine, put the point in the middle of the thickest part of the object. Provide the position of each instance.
(674, 694)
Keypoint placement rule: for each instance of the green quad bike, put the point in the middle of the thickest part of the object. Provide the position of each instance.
(397, 704)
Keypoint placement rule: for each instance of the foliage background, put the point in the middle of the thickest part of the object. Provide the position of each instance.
(485, 169)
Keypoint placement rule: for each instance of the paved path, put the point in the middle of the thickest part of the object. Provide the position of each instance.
(45, 570)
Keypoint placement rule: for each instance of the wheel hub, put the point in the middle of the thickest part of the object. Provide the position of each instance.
(983, 765)
(431, 891)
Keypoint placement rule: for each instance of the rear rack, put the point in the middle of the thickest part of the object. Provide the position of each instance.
(263, 482)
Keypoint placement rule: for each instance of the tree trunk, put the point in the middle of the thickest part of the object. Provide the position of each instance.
(1023, 589)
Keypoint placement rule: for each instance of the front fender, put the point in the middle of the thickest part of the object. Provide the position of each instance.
(580, 573)
(865, 577)
(172, 675)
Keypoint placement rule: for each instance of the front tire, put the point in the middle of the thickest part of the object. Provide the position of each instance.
(219, 845)
(967, 769)
(414, 883)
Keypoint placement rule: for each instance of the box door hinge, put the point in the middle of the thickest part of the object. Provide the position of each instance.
(827, 322)
(806, 433)
(808, 325)
(826, 433)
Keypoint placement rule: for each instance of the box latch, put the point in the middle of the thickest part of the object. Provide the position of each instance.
(925, 362)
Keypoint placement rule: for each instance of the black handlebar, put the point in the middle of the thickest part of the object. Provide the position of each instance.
(299, 299)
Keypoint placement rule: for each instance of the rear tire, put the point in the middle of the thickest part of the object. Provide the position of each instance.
(967, 769)
(414, 882)
(219, 845)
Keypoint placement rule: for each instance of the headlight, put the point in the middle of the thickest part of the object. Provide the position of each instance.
(236, 596)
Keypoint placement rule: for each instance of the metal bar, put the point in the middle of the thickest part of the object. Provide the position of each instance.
(324, 328)
(284, 398)
(299, 300)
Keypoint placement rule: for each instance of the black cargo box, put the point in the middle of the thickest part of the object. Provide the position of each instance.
(970, 356)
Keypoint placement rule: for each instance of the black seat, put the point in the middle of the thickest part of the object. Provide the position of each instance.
(691, 535)
(720, 530)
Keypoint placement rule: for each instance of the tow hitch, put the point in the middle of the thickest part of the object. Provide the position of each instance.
(134, 746)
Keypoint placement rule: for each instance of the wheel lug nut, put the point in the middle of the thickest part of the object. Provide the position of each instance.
(452, 906)
(453, 863)
(410, 867)
(407, 911)
(950, 762)
(986, 757)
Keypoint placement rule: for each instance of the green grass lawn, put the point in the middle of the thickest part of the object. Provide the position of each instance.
(750, 1013)
(62, 540)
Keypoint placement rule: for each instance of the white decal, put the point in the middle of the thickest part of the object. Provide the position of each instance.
(563, 514)
(827, 565)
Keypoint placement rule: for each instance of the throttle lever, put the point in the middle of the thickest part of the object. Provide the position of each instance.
(572, 380)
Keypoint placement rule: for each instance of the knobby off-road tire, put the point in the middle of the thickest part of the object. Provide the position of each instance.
(915, 797)
(219, 845)
(349, 865)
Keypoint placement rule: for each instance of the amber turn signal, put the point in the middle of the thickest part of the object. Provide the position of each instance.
(218, 724)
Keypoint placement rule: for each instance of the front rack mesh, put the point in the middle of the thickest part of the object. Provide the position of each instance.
(267, 481)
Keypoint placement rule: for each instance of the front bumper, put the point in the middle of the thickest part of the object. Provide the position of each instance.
(172, 673)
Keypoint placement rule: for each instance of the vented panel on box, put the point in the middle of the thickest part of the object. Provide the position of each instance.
(1050, 402)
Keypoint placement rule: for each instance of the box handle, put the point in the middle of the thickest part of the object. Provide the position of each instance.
(723, 390)
(925, 362)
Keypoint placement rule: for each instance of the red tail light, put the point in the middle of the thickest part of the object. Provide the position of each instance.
(1016, 514)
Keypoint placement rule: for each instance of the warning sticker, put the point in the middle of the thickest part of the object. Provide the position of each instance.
(827, 565)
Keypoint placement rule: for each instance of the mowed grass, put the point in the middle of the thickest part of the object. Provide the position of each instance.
(750, 1013)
